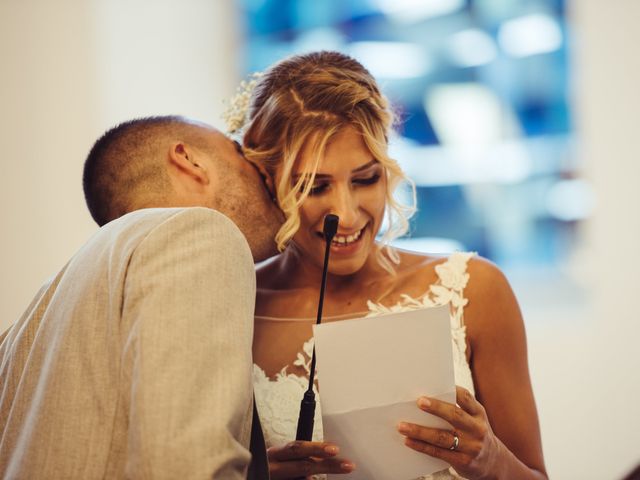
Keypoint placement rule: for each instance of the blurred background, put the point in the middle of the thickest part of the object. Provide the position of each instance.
(516, 119)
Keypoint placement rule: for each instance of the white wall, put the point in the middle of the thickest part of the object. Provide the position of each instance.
(71, 69)
(584, 357)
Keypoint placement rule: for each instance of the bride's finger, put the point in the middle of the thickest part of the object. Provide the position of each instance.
(440, 438)
(309, 466)
(453, 414)
(300, 449)
(453, 458)
(467, 401)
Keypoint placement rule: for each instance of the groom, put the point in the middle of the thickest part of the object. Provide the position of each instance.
(135, 359)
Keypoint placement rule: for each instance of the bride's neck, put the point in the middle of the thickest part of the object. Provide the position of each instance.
(301, 273)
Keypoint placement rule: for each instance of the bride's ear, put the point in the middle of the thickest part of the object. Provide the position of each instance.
(183, 160)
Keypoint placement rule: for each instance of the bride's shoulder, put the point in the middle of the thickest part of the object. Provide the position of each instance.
(471, 261)
(413, 261)
(415, 272)
(482, 282)
(466, 269)
(492, 313)
(485, 277)
(417, 264)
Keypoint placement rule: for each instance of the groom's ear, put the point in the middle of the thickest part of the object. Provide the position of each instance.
(184, 160)
(266, 178)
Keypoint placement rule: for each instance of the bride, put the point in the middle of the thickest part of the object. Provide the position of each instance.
(318, 129)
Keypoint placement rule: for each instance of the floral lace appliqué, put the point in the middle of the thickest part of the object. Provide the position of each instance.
(279, 399)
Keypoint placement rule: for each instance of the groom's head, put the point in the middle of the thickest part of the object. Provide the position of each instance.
(175, 162)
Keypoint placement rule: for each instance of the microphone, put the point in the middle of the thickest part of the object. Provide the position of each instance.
(329, 230)
(308, 403)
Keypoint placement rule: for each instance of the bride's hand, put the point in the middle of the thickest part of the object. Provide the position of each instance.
(471, 447)
(300, 459)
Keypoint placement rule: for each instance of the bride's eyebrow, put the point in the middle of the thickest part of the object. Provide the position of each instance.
(365, 166)
(321, 176)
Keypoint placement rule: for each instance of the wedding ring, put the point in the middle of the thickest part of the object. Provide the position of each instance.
(456, 441)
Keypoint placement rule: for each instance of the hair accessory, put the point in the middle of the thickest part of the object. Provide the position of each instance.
(235, 114)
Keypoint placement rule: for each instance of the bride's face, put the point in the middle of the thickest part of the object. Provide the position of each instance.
(351, 184)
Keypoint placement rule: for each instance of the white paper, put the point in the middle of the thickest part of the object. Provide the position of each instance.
(371, 371)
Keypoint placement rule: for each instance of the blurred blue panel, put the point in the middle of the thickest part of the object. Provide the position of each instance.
(269, 16)
(263, 52)
(541, 118)
(444, 212)
(308, 15)
(416, 126)
(368, 26)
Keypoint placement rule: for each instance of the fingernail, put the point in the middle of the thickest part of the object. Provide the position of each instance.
(331, 449)
(347, 466)
(403, 427)
(424, 402)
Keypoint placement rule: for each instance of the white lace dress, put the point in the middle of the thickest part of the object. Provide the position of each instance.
(278, 398)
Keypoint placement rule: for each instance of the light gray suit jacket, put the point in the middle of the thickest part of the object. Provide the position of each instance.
(135, 360)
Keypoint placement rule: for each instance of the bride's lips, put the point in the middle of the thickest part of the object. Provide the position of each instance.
(338, 248)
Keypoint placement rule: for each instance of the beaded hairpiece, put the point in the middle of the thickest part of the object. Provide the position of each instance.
(235, 114)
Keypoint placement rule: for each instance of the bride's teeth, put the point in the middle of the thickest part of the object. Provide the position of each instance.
(349, 239)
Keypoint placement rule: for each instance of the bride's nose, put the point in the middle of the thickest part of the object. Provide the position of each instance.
(345, 204)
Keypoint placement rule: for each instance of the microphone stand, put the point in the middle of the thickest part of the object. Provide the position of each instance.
(308, 403)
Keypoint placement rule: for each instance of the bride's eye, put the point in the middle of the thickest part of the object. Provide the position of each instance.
(318, 188)
(368, 180)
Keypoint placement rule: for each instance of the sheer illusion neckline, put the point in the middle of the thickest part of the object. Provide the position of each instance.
(366, 308)
(366, 312)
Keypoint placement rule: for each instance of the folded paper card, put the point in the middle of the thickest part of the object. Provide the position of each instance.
(371, 372)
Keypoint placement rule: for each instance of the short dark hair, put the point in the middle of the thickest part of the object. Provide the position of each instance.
(125, 162)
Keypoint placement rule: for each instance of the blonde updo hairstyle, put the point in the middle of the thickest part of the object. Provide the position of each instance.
(303, 102)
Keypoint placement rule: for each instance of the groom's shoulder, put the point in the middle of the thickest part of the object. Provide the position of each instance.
(152, 218)
(200, 221)
(162, 228)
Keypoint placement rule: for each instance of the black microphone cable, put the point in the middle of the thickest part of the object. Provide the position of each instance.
(308, 403)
